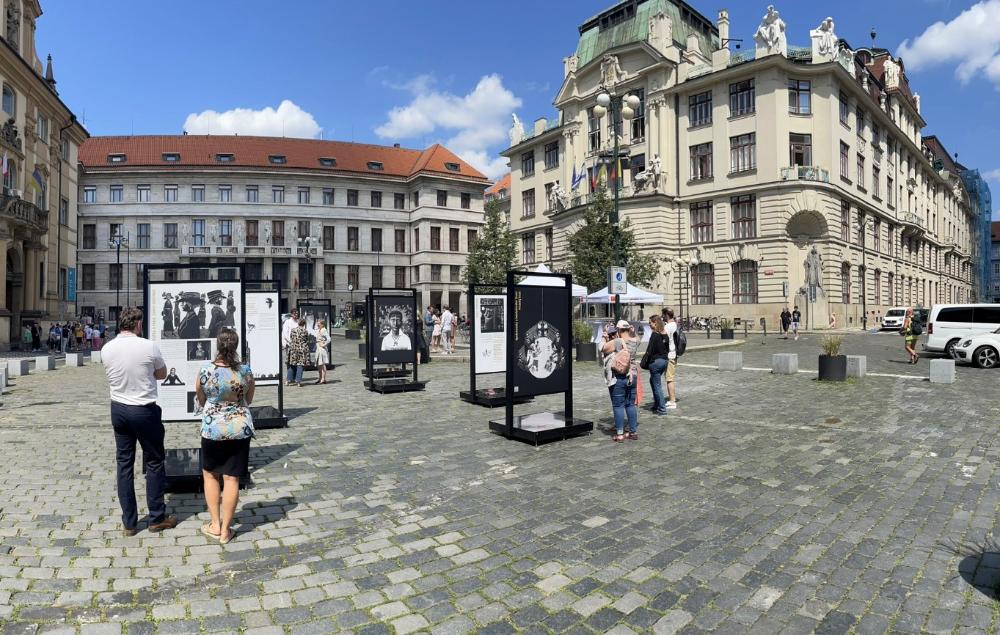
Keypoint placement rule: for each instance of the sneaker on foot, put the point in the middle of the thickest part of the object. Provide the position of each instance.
(671, 405)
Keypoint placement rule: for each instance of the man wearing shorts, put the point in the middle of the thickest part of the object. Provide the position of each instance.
(796, 319)
(671, 372)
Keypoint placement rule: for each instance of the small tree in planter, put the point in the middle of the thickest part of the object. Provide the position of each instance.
(583, 333)
(352, 329)
(726, 329)
(832, 365)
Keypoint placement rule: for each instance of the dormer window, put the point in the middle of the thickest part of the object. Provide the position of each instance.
(225, 157)
(171, 157)
(277, 159)
(328, 162)
(116, 158)
(453, 167)
(376, 166)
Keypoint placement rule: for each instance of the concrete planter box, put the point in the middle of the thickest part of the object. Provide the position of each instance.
(17, 367)
(586, 352)
(727, 334)
(832, 367)
(352, 334)
(75, 359)
(44, 362)
(785, 363)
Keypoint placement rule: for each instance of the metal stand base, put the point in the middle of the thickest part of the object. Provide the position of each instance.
(386, 373)
(482, 397)
(183, 468)
(542, 426)
(394, 385)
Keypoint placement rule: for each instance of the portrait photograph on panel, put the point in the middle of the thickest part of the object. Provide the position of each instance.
(393, 336)
(541, 340)
(199, 350)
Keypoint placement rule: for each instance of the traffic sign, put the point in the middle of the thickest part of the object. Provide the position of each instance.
(617, 280)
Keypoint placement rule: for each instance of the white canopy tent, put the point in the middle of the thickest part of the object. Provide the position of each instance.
(545, 281)
(634, 295)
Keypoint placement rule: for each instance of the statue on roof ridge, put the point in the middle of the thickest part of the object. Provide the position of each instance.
(824, 39)
(770, 35)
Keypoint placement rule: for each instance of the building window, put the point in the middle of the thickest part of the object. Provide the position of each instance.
(471, 236)
(743, 152)
(845, 160)
(845, 283)
(845, 221)
(90, 236)
(143, 235)
(170, 193)
(198, 233)
(197, 193)
(225, 193)
(43, 130)
(435, 273)
(329, 236)
(703, 284)
(376, 239)
(548, 244)
(114, 276)
(327, 196)
(64, 211)
(352, 198)
(416, 239)
(400, 277)
(170, 235)
(400, 241)
(442, 198)
(278, 194)
(888, 191)
(452, 167)
(435, 239)
(456, 273)
(252, 238)
(701, 161)
(226, 233)
(528, 203)
(799, 102)
(845, 111)
(800, 149)
(225, 157)
(859, 120)
(90, 195)
(593, 131)
(303, 196)
(353, 275)
(142, 193)
(375, 166)
(466, 200)
(277, 159)
(889, 290)
(115, 229)
(742, 100)
(399, 201)
(877, 283)
(744, 213)
(638, 130)
(701, 222)
(253, 195)
(376, 199)
(528, 248)
(876, 136)
(352, 239)
(453, 239)
(745, 282)
(88, 278)
(303, 229)
(551, 155)
(116, 193)
(415, 199)
(329, 277)
(876, 235)
(171, 157)
(700, 109)
(876, 182)
(377, 277)
(9, 101)
(528, 163)
(278, 233)
(861, 170)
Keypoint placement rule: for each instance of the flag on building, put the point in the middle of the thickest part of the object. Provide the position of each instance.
(5, 168)
(37, 181)
(578, 176)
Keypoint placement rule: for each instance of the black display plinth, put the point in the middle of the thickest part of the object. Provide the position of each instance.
(490, 398)
(386, 373)
(183, 468)
(266, 418)
(541, 426)
(362, 350)
(394, 385)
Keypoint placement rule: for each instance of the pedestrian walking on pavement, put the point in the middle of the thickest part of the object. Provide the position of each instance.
(786, 321)
(796, 321)
(670, 332)
(298, 353)
(436, 333)
(448, 330)
(911, 331)
(619, 346)
(133, 366)
(656, 358)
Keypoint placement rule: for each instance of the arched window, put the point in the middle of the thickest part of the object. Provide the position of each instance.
(745, 282)
(890, 292)
(877, 286)
(845, 283)
(703, 284)
(9, 101)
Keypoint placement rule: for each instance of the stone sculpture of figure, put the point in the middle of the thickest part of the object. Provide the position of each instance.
(825, 38)
(187, 234)
(814, 268)
(770, 34)
(267, 235)
(890, 73)
(557, 197)
(516, 130)
(641, 179)
(882, 100)
(239, 234)
(611, 70)
(13, 24)
(657, 166)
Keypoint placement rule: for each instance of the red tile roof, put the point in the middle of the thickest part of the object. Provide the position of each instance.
(200, 151)
(502, 184)
(995, 227)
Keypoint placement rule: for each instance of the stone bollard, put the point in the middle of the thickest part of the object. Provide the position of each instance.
(785, 363)
(95, 356)
(17, 367)
(3, 380)
(857, 366)
(942, 371)
(45, 362)
(731, 360)
(75, 359)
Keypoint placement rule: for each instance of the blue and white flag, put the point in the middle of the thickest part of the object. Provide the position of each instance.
(578, 176)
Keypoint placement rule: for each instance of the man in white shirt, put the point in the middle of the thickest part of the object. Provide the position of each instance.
(133, 365)
(286, 338)
(396, 339)
(671, 373)
(447, 332)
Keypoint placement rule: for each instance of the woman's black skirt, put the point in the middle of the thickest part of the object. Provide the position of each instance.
(229, 458)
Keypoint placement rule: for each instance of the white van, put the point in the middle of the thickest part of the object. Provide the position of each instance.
(948, 323)
(893, 318)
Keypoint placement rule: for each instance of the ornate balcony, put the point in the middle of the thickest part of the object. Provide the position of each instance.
(911, 223)
(234, 251)
(24, 214)
(805, 173)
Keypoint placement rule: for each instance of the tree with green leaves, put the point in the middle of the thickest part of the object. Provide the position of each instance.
(592, 248)
(494, 250)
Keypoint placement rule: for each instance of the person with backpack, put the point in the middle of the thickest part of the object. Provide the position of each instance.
(911, 332)
(655, 360)
(677, 342)
(621, 372)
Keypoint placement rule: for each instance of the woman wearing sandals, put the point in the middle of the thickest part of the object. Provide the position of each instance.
(322, 355)
(911, 333)
(224, 391)
(622, 385)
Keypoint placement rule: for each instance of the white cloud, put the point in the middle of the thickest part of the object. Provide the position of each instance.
(992, 175)
(972, 39)
(477, 122)
(288, 120)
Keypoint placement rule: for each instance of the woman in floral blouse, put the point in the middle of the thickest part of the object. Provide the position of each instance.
(298, 351)
(224, 391)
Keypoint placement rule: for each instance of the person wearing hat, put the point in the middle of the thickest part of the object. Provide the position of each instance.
(622, 385)
(188, 328)
(218, 315)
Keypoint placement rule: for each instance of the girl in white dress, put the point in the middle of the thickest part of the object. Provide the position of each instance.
(322, 355)
(436, 333)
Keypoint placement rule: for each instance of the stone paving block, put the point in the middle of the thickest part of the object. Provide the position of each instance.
(785, 363)
(45, 362)
(76, 359)
(857, 366)
(95, 357)
(942, 371)
(17, 367)
(731, 360)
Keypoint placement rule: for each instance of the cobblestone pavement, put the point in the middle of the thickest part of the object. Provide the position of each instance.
(763, 504)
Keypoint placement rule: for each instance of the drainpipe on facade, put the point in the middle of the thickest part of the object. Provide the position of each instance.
(677, 170)
(59, 299)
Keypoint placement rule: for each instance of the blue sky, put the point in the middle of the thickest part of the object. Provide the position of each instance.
(434, 71)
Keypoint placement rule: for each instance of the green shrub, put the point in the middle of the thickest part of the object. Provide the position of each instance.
(831, 345)
(582, 332)
(725, 324)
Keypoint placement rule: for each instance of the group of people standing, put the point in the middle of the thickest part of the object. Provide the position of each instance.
(296, 340)
(71, 336)
(440, 328)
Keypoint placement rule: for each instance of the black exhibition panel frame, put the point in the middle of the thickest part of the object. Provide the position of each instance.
(261, 422)
(183, 465)
(381, 366)
(328, 306)
(483, 397)
(542, 366)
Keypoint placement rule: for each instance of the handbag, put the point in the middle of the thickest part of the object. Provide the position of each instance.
(645, 361)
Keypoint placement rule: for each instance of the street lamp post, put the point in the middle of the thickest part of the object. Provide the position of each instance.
(116, 243)
(685, 263)
(625, 106)
(305, 242)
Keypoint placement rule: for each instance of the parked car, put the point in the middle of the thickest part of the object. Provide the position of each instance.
(982, 351)
(950, 323)
(893, 318)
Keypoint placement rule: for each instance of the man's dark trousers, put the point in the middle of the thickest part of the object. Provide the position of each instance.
(145, 425)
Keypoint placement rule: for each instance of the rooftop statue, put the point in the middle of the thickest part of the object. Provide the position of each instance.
(824, 39)
(770, 35)
(516, 130)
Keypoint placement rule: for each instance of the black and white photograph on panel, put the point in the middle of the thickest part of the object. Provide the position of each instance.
(541, 340)
(188, 315)
(491, 314)
(192, 401)
(393, 335)
(490, 335)
(172, 379)
(199, 350)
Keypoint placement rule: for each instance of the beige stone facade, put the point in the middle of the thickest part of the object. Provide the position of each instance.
(772, 166)
(39, 137)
